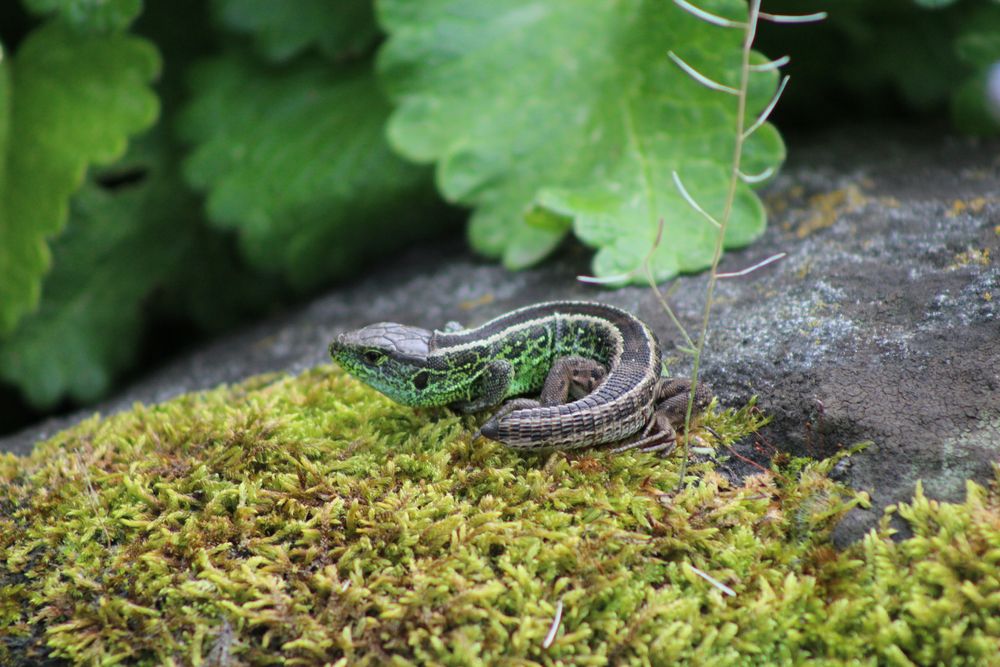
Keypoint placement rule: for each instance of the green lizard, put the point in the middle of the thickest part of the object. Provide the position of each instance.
(597, 369)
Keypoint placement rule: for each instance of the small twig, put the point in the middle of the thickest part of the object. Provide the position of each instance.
(701, 78)
(606, 280)
(751, 269)
(554, 628)
(771, 65)
(691, 201)
(787, 18)
(762, 118)
(712, 580)
(621, 277)
(647, 266)
(745, 459)
(762, 445)
(220, 654)
(709, 17)
(656, 288)
(753, 179)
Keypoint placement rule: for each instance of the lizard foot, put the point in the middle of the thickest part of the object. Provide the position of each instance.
(658, 436)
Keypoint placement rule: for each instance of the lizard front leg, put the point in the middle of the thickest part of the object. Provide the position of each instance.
(571, 377)
(489, 388)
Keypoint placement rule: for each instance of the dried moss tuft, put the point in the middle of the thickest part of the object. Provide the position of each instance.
(307, 520)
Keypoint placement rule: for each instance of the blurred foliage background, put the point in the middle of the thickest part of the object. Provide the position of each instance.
(169, 170)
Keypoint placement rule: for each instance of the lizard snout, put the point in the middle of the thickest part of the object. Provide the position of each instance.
(337, 344)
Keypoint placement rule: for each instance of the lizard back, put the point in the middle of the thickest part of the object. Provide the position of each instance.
(534, 336)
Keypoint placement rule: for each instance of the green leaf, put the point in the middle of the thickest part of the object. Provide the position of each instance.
(120, 243)
(537, 113)
(934, 4)
(297, 162)
(971, 110)
(282, 30)
(214, 289)
(90, 15)
(66, 100)
(978, 45)
(135, 233)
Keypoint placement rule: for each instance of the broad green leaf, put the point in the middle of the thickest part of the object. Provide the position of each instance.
(134, 232)
(338, 28)
(214, 289)
(120, 243)
(868, 58)
(970, 108)
(296, 161)
(66, 101)
(570, 110)
(978, 46)
(90, 15)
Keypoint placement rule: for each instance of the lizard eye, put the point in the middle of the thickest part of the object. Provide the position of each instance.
(373, 356)
(421, 379)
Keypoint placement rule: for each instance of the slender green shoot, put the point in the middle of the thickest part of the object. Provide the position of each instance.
(742, 132)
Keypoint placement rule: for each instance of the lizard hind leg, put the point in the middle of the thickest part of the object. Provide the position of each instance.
(672, 397)
(658, 435)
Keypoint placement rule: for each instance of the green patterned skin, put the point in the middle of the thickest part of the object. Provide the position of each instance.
(394, 359)
(476, 369)
(422, 368)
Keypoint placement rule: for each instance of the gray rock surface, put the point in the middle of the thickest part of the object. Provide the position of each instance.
(880, 324)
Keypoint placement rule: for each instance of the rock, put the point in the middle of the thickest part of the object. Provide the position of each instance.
(879, 324)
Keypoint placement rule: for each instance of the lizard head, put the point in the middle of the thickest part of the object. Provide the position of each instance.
(391, 358)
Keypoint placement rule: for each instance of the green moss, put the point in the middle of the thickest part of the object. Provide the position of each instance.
(305, 520)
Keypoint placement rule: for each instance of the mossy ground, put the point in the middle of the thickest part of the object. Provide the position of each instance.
(308, 520)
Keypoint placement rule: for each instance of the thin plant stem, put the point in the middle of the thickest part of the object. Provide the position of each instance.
(646, 266)
(734, 179)
(656, 288)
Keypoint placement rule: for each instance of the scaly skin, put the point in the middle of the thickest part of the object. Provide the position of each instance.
(549, 347)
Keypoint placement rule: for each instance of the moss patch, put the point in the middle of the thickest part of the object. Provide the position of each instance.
(307, 520)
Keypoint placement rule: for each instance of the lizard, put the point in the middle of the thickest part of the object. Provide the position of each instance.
(597, 368)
